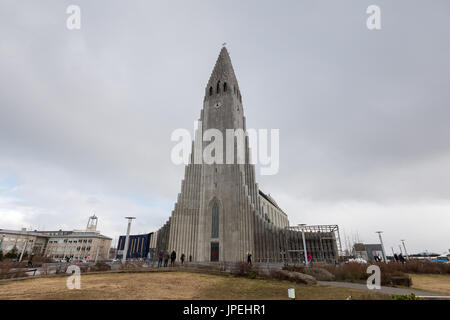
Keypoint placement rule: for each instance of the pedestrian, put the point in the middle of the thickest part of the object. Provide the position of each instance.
(166, 258)
(190, 258)
(30, 261)
(395, 257)
(173, 256)
(160, 258)
(376, 258)
(249, 257)
(400, 257)
(182, 258)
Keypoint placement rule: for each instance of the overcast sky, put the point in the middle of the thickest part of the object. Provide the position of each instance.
(364, 116)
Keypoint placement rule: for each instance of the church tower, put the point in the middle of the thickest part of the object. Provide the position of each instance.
(212, 219)
(220, 213)
(228, 189)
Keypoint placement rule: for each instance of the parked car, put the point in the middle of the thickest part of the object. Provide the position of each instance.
(358, 260)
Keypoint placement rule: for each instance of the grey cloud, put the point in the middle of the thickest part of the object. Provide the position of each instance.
(363, 115)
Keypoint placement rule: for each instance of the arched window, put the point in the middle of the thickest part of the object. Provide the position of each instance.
(215, 220)
(218, 86)
(210, 91)
(225, 87)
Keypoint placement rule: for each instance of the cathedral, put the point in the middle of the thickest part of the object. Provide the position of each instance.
(221, 214)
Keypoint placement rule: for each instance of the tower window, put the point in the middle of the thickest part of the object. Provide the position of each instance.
(210, 91)
(215, 220)
(218, 87)
(225, 87)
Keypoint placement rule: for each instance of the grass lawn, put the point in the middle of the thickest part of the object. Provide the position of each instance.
(172, 285)
(432, 282)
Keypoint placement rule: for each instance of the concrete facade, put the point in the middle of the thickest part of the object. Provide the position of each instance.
(220, 213)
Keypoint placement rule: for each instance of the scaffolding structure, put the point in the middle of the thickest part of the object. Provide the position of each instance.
(324, 234)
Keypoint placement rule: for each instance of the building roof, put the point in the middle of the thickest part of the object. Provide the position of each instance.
(270, 199)
(61, 234)
(29, 233)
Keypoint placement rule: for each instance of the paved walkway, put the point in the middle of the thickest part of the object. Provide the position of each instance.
(386, 290)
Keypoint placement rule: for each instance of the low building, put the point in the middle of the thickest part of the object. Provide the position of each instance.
(86, 244)
(367, 251)
(139, 246)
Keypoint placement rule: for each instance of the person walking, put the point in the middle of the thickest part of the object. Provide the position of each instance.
(190, 258)
(166, 258)
(182, 258)
(395, 257)
(249, 257)
(173, 256)
(160, 259)
(400, 257)
(30, 261)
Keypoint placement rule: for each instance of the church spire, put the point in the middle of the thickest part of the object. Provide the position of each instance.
(222, 77)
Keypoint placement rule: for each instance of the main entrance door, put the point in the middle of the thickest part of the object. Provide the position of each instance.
(214, 251)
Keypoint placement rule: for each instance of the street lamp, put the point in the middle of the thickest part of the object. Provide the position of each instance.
(302, 225)
(382, 245)
(404, 247)
(23, 249)
(127, 239)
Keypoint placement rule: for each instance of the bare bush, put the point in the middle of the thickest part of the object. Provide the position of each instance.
(292, 276)
(318, 273)
(8, 270)
(132, 265)
(100, 266)
(355, 272)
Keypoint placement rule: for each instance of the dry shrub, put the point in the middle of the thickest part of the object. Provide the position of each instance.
(351, 272)
(8, 271)
(242, 269)
(83, 268)
(391, 273)
(296, 277)
(318, 273)
(132, 265)
(418, 266)
(5, 268)
(100, 266)
(61, 268)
